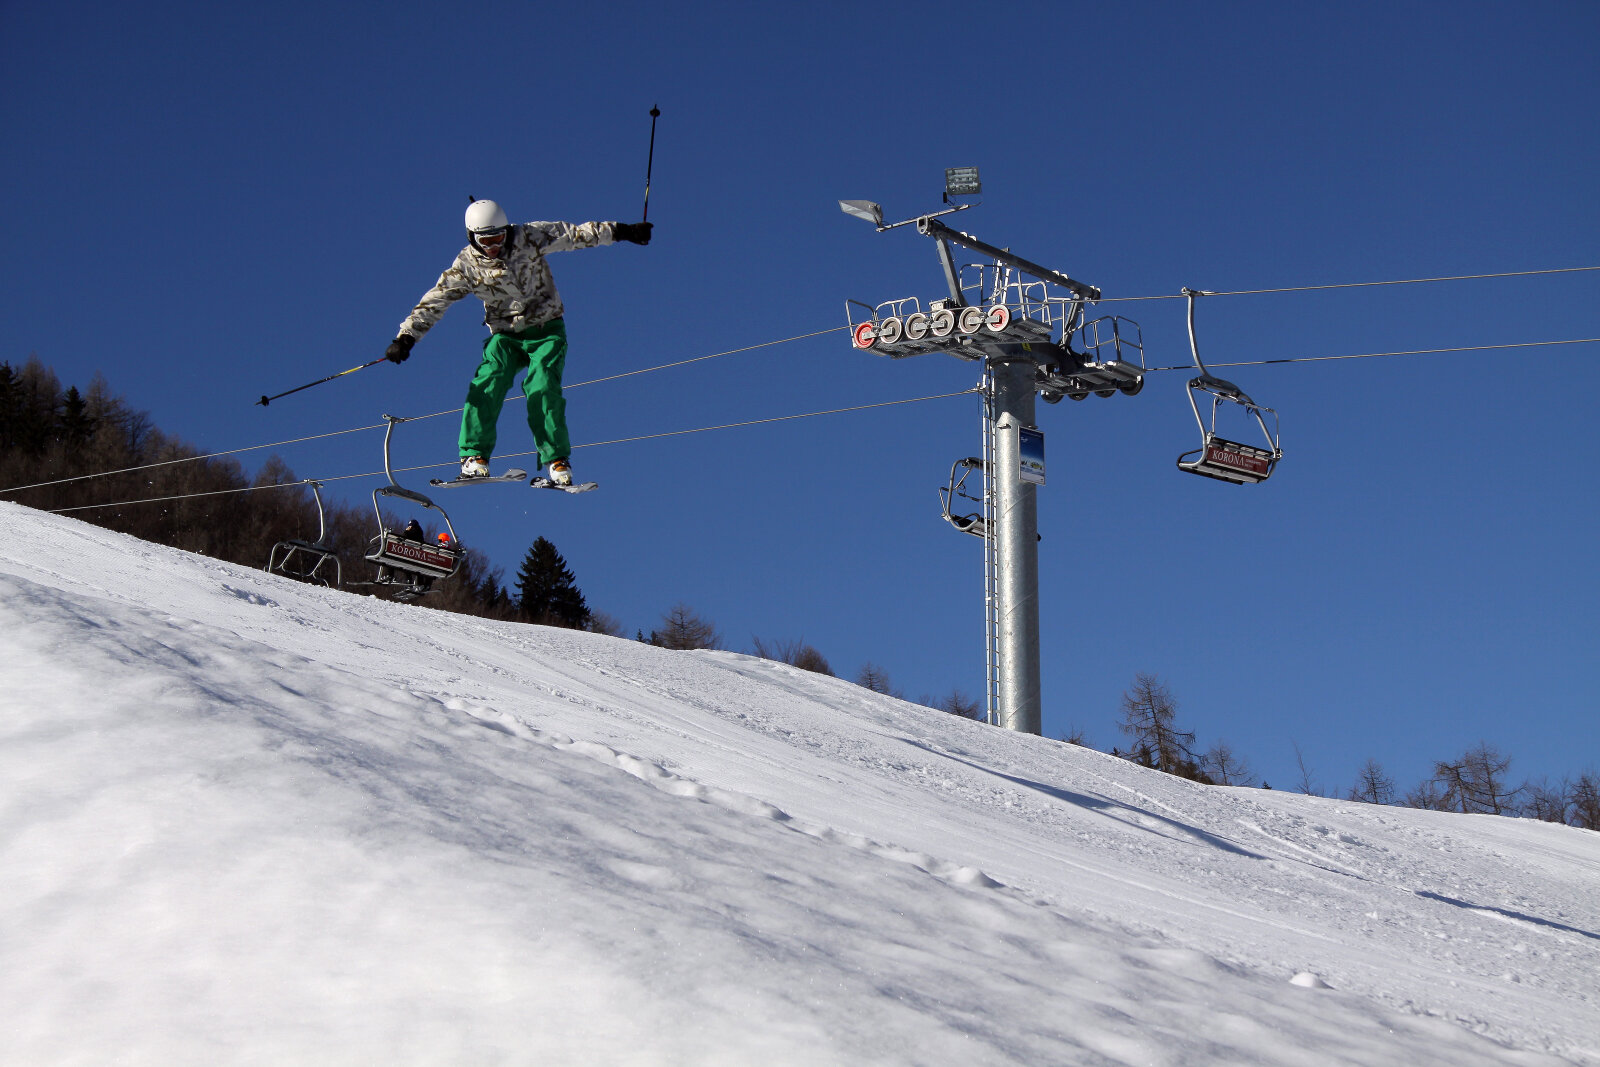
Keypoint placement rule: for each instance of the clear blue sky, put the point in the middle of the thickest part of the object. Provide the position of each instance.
(207, 204)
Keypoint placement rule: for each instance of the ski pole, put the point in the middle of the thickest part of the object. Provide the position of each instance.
(264, 401)
(655, 113)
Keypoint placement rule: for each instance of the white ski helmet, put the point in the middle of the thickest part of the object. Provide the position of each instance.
(484, 216)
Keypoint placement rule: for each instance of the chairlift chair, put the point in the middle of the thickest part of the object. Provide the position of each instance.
(971, 523)
(410, 564)
(303, 560)
(1220, 457)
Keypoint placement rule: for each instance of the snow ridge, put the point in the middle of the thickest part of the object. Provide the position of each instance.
(246, 820)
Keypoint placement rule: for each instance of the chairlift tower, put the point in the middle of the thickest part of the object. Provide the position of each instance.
(1026, 324)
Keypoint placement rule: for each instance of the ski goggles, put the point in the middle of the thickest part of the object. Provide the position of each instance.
(490, 239)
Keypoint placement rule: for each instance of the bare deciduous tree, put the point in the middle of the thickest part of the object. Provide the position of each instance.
(1307, 785)
(1546, 802)
(1473, 784)
(1486, 768)
(1372, 785)
(795, 654)
(1225, 767)
(1150, 717)
(601, 622)
(1428, 795)
(1584, 800)
(958, 703)
(681, 628)
(873, 677)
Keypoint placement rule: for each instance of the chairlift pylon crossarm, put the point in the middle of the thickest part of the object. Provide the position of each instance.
(933, 228)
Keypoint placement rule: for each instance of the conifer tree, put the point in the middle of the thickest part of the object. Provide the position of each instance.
(547, 592)
(10, 407)
(75, 423)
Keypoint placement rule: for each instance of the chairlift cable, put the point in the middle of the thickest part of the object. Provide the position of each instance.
(820, 333)
(714, 355)
(780, 418)
(516, 455)
(189, 459)
(1374, 355)
(661, 366)
(1352, 285)
(417, 418)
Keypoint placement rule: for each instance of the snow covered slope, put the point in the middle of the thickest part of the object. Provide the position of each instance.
(249, 821)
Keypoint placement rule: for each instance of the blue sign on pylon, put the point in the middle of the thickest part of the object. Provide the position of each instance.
(1031, 445)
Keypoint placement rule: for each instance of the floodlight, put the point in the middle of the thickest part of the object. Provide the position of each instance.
(962, 181)
(863, 209)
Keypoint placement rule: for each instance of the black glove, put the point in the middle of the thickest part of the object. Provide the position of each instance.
(400, 348)
(637, 232)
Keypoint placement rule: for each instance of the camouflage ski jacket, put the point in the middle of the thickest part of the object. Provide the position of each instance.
(517, 290)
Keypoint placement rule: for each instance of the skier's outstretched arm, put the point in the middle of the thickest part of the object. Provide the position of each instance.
(566, 236)
(451, 286)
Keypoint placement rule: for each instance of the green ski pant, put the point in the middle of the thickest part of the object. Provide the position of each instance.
(542, 351)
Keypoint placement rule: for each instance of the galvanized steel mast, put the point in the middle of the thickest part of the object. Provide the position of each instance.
(1010, 330)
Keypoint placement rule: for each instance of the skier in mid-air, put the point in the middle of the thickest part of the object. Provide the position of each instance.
(504, 266)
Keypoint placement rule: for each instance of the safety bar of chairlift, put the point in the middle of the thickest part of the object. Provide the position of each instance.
(971, 463)
(1236, 396)
(1210, 438)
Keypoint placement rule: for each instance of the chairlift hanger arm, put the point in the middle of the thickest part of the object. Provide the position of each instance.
(932, 227)
(1207, 380)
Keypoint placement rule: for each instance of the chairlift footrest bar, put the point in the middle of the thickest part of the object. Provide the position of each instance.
(1230, 461)
(414, 557)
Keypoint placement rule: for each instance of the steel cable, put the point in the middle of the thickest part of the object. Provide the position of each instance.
(517, 455)
(820, 333)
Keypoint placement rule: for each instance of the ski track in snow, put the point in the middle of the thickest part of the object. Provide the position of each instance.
(1101, 913)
